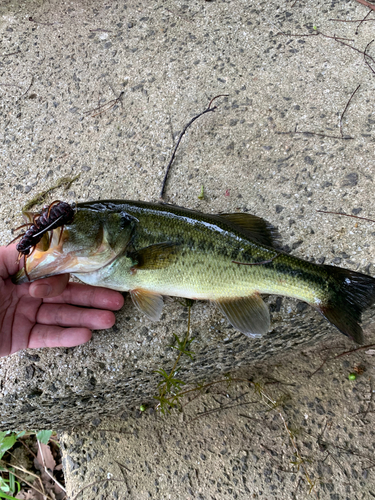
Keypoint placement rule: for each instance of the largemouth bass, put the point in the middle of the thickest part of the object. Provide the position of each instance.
(153, 250)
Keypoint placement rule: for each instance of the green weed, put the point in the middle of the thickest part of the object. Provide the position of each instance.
(169, 388)
(41, 197)
(8, 485)
(8, 476)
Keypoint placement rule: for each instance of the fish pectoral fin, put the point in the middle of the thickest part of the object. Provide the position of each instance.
(149, 303)
(249, 315)
(253, 227)
(155, 256)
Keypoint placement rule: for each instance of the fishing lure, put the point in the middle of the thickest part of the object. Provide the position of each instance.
(55, 215)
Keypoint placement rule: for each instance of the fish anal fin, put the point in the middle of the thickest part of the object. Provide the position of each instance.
(149, 303)
(249, 315)
(155, 256)
(253, 227)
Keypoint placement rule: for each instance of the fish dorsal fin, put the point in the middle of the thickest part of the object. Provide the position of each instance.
(149, 303)
(155, 256)
(253, 227)
(249, 315)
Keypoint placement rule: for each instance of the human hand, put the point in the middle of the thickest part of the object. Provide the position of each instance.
(47, 312)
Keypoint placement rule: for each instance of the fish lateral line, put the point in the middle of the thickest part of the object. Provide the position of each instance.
(256, 263)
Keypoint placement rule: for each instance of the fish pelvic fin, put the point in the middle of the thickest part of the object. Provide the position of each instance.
(149, 303)
(249, 315)
(352, 294)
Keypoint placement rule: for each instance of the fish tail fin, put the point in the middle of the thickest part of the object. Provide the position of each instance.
(351, 293)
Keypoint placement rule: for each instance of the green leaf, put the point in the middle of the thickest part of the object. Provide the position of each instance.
(43, 436)
(4, 495)
(4, 486)
(20, 434)
(12, 484)
(162, 372)
(6, 443)
(12, 481)
(165, 405)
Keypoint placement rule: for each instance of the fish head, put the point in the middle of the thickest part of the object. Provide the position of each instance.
(97, 235)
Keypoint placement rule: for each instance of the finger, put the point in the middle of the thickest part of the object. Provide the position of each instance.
(89, 296)
(49, 287)
(8, 261)
(67, 315)
(55, 336)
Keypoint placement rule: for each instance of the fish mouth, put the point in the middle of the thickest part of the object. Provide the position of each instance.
(42, 265)
(59, 257)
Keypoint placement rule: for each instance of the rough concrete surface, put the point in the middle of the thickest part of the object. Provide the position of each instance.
(61, 61)
(231, 444)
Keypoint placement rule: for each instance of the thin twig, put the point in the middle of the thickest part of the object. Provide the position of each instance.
(351, 20)
(251, 418)
(10, 85)
(214, 383)
(102, 30)
(124, 475)
(97, 482)
(11, 53)
(42, 492)
(357, 50)
(38, 22)
(215, 410)
(336, 38)
(106, 106)
(209, 109)
(346, 107)
(342, 354)
(350, 451)
(367, 4)
(354, 350)
(315, 133)
(273, 405)
(317, 33)
(362, 21)
(366, 55)
(29, 87)
(45, 468)
(28, 449)
(346, 215)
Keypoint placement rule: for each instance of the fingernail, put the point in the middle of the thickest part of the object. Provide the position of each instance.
(42, 290)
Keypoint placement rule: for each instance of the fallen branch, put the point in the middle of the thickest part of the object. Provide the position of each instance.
(209, 109)
(346, 215)
(342, 354)
(346, 107)
(367, 4)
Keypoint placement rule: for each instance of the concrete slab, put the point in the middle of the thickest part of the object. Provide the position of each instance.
(231, 443)
(61, 61)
